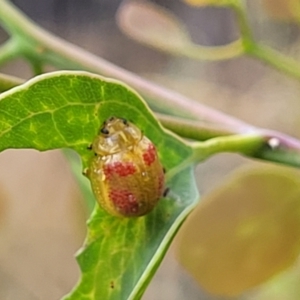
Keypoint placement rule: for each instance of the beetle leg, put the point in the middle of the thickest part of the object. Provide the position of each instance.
(166, 192)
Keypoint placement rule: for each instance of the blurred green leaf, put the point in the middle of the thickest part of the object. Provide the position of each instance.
(157, 27)
(66, 110)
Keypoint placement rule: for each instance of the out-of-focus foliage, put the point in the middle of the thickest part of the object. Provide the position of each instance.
(159, 28)
(284, 10)
(207, 2)
(244, 232)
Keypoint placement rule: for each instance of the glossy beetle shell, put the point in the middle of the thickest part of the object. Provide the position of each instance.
(126, 175)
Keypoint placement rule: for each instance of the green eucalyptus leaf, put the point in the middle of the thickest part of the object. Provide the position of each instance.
(66, 110)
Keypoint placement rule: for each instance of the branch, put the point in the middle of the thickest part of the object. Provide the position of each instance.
(8, 51)
(264, 145)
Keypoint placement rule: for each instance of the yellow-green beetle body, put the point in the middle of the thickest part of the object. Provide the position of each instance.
(126, 175)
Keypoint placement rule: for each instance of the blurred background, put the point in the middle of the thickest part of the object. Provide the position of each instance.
(42, 212)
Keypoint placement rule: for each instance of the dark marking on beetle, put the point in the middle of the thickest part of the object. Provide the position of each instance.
(89, 147)
(166, 192)
(85, 172)
(125, 122)
(104, 131)
(112, 285)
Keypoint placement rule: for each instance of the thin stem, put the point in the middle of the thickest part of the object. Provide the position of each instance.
(214, 53)
(277, 60)
(266, 54)
(8, 51)
(265, 145)
(275, 146)
(268, 146)
(245, 30)
(37, 68)
(280, 148)
(195, 130)
(260, 143)
(243, 144)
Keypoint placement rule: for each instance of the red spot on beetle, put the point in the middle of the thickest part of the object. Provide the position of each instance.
(121, 169)
(124, 201)
(149, 155)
